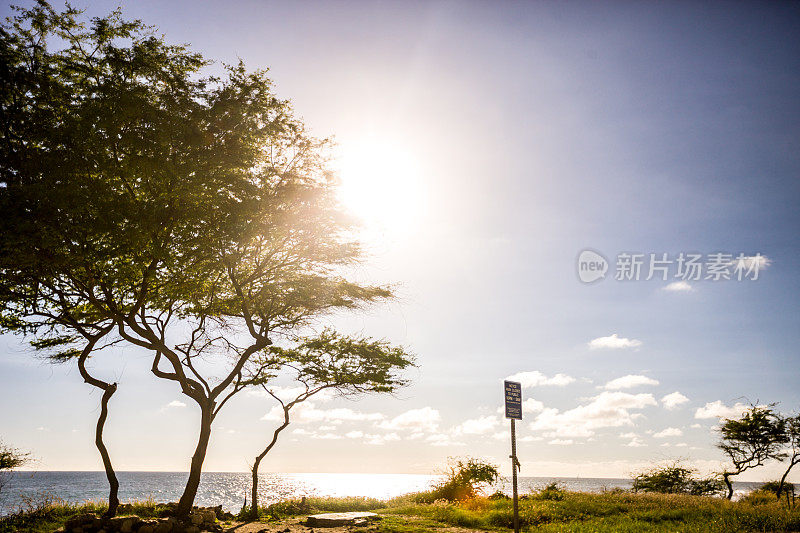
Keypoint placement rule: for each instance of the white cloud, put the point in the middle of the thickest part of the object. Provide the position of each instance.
(674, 400)
(613, 342)
(635, 443)
(718, 409)
(424, 419)
(608, 409)
(534, 378)
(477, 426)
(174, 404)
(678, 286)
(561, 442)
(681, 445)
(354, 434)
(629, 435)
(629, 381)
(696, 426)
(751, 263)
(668, 432)
(532, 406)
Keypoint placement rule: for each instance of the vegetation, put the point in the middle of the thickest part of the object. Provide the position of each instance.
(329, 362)
(676, 479)
(464, 479)
(792, 429)
(748, 442)
(148, 205)
(776, 489)
(617, 511)
(10, 458)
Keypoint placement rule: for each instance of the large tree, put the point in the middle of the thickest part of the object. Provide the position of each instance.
(751, 440)
(194, 215)
(329, 362)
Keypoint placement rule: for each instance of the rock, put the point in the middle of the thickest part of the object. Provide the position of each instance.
(147, 528)
(127, 524)
(339, 519)
(163, 527)
(83, 519)
(191, 529)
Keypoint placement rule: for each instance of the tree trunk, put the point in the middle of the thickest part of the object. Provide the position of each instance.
(259, 457)
(113, 483)
(108, 390)
(189, 493)
(726, 477)
(792, 462)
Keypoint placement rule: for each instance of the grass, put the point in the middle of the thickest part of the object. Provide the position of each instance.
(46, 513)
(549, 510)
(616, 511)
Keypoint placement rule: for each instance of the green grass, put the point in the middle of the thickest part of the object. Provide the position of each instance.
(546, 511)
(575, 511)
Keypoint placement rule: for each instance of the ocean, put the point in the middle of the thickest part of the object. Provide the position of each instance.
(230, 488)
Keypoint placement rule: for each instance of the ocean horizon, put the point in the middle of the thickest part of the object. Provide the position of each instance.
(229, 489)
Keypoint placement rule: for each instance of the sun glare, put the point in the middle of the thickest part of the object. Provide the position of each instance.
(380, 184)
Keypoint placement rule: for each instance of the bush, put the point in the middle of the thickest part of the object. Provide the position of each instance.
(772, 488)
(551, 491)
(676, 479)
(464, 479)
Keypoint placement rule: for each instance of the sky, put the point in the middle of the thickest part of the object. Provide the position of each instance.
(486, 146)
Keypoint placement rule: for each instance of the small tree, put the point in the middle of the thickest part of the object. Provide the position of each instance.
(10, 458)
(792, 428)
(329, 362)
(751, 440)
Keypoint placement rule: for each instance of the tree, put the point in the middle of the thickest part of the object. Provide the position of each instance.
(328, 362)
(10, 459)
(751, 440)
(193, 217)
(792, 428)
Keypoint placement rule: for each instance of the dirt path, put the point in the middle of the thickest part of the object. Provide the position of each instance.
(294, 525)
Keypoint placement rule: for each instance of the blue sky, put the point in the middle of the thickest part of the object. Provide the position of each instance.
(499, 140)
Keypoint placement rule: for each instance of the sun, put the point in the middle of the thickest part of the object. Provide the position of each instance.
(380, 184)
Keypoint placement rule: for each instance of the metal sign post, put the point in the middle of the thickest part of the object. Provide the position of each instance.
(513, 396)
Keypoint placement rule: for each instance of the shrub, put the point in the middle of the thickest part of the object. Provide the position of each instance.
(676, 479)
(464, 479)
(551, 491)
(772, 487)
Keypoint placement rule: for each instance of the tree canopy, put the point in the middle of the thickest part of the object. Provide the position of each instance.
(751, 440)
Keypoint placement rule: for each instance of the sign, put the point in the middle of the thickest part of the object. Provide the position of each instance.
(513, 394)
